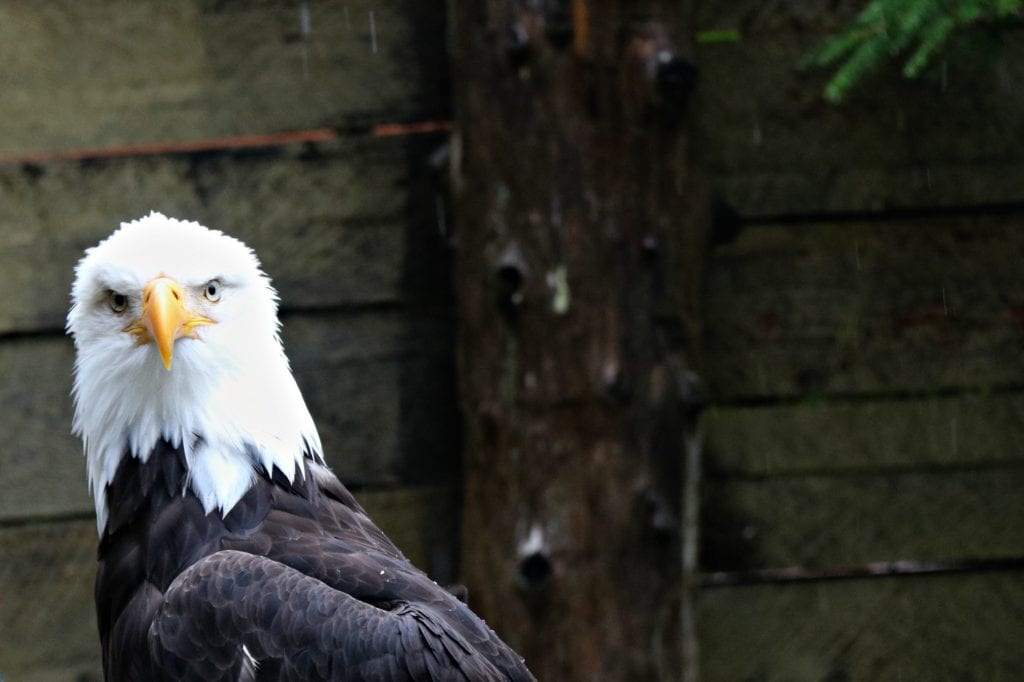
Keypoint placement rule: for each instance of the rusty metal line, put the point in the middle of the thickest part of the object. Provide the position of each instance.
(186, 146)
(224, 143)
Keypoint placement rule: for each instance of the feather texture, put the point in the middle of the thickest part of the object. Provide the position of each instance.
(228, 550)
(296, 574)
(231, 402)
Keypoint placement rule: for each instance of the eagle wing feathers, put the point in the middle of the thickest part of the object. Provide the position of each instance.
(310, 629)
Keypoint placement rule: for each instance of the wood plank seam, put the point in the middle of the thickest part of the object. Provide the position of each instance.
(867, 396)
(873, 570)
(895, 213)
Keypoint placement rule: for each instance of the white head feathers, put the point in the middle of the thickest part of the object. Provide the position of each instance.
(230, 400)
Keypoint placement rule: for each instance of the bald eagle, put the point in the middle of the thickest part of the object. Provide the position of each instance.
(228, 549)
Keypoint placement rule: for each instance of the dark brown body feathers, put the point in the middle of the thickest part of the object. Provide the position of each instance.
(296, 573)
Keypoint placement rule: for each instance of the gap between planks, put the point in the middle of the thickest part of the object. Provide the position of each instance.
(884, 215)
(285, 313)
(878, 569)
(828, 398)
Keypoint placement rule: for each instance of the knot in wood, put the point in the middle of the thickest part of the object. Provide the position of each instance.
(510, 274)
(535, 571)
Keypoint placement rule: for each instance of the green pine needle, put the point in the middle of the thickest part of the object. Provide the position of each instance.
(934, 37)
(885, 29)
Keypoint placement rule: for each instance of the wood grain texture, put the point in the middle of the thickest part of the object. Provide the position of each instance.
(774, 146)
(338, 223)
(950, 627)
(867, 373)
(835, 437)
(42, 469)
(92, 74)
(380, 386)
(574, 197)
(825, 309)
(753, 18)
(821, 521)
(47, 617)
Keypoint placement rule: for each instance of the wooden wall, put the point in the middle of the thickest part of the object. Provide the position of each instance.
(863, 344)
(113, 109)
(861, 338)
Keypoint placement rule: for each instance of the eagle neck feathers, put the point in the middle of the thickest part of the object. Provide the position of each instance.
(245, 417)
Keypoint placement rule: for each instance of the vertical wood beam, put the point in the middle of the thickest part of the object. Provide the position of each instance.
(579, 233)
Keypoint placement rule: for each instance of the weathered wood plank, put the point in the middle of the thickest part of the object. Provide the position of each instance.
(950, 627)
(753, 18)
(423, 522)
(842, 437)
(47, 616)
(821, 521)
(380, 387)
(42, 471)
(47, 620)
(338, 225)
(842, 308)
(94, 74)
(774, 146)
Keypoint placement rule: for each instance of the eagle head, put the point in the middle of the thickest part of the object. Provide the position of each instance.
(177, 338)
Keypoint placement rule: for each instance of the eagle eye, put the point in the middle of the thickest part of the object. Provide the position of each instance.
(211, 292)
(117, 302)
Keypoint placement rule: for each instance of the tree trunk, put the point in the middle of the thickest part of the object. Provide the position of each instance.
(578, 242)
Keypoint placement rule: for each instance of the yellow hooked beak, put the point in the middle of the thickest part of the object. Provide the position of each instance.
(165, 317)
